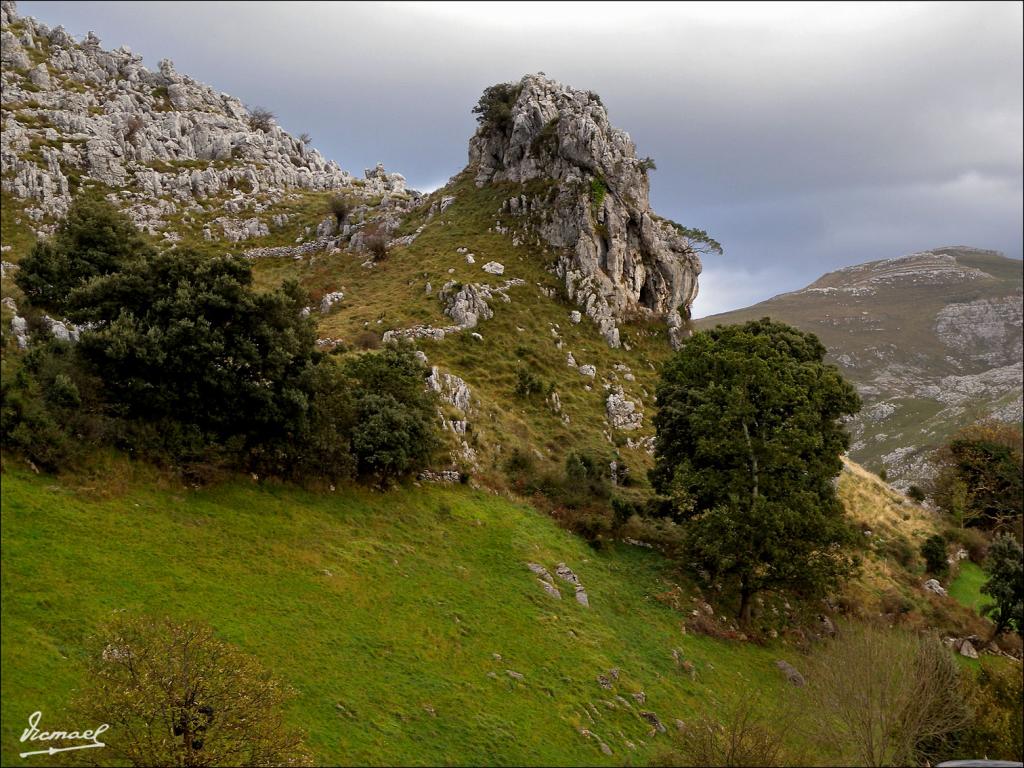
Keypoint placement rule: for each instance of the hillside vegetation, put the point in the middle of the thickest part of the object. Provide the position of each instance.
(398, 617)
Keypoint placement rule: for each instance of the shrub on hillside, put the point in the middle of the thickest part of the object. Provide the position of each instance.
(885, 696)
(40, 406)
(934, 553)
(527, 382)
(741, 737)
(377, 246)
(394, 431)
(261, 119)
(520, 469)
(981, 476)
(494, 109)
(367, 339)
(995, 694)
(916, 494)
(973, 540)
(340, 208)
(93, 240)
(177, 695)
(1005, 585)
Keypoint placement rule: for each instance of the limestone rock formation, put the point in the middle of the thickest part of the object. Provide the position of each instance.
(622, 412)
(618, 257)
(161, 141)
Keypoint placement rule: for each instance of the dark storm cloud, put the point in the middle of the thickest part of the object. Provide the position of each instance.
(803, 137)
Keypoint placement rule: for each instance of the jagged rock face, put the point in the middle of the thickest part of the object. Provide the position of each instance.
(85, 111)
(619, 257)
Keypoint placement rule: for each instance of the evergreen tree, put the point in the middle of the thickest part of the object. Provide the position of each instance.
(94, 239)
(748, 446)
(1005, 584)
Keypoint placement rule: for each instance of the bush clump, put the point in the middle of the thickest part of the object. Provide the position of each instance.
(94, 239)
(261, 119)
(934, 553)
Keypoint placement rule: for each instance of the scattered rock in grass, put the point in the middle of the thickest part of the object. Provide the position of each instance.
(494, 268)
(565, 573)
(967, 649)
(551, 589)
(541, 571)
(640, 697)
(791, 673)
(330, 300)
(514, 675)
(932, 585)
(652, 718)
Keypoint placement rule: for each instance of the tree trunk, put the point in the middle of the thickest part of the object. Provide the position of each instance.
(745, 605)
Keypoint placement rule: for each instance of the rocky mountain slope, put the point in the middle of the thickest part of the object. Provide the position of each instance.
(541, 262)
(932, 340)
(166, 147)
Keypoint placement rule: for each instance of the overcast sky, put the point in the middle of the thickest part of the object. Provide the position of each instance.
(803, 137)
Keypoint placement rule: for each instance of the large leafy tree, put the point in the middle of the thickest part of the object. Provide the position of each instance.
(175, 694)
(94, 239)
(981, 476)
(749, 443)
(182, 337)
(1005, 584)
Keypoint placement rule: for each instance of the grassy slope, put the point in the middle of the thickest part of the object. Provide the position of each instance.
(966, 587)
(384, 604)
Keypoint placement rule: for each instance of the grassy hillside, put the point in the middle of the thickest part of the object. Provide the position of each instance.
(532, 331)
(386, 612)
(389, 612)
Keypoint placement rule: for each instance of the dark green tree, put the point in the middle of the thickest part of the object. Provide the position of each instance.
(1005, 584)
(94, 239)
(180, 337)
(981, 476)
(749, 440)
(395, 430)
(494, 110)
(934, 553)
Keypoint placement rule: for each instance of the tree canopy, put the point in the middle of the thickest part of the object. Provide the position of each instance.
(94, 239)
(981, 476)
(1005, 584)
(175, 694)
(179, 335)
(749, 442)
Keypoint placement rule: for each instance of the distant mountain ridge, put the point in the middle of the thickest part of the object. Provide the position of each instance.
(932, 340)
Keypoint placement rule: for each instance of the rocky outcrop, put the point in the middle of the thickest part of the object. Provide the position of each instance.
(75, 111)
(622, 412)
(617, 256)
(468, 304)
